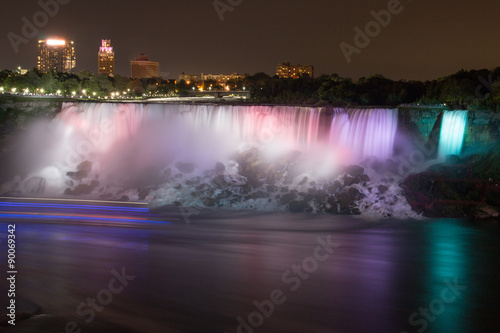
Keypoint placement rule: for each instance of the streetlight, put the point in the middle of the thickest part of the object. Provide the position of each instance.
(13, 90)
(41, 90)
(84, 91)
(73, 93)
(1, 89)
(58, 92)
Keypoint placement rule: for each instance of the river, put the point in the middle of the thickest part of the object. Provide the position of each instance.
(227, 271)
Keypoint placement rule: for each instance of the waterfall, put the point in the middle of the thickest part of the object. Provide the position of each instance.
(126, 142)
(452, 133)
(361, 133)
(204, 134)
(205, 154)
(207, 133)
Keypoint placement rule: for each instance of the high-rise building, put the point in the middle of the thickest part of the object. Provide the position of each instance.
(142, 68)
(285, 70)
(106, 58)
(56, 54)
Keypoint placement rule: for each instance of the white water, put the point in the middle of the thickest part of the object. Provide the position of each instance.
(141, 135)
(203, 134)
(452, 133)
(128, 143)
(361, 133)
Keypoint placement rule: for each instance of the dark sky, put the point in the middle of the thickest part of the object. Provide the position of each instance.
(428, 39)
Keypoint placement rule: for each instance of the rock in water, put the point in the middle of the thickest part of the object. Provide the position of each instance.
(82, 189)
(364, 178)
(303, 181)
(143, 193)
(485, 212)
(354, 170)
(34, 185)
(220, 182)
(219, 168)
(348, 181)
(382, 189)
(209, 202)
(334, 188)
(85, 166)
(83, 170)
(185, 167)
(258, 195)
(348, 201)
(287, 198)
(299, 207)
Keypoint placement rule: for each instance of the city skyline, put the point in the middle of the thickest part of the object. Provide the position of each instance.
(418, 40)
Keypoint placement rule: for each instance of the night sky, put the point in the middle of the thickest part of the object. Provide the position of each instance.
(426, 40)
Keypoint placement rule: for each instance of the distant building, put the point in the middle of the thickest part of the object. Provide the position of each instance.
(221, 78)
(142, 68)
(285, 70)
(106, 58)
(188, 78)
(56, 55)
(21, 71)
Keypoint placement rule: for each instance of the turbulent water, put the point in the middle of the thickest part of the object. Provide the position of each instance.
(452, 133)
(362, 133)
(252, 157)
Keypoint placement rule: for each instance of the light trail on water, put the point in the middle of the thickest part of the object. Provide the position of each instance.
(21, 209)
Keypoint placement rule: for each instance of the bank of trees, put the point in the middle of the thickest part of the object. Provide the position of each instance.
(472, 89)
(82, 83)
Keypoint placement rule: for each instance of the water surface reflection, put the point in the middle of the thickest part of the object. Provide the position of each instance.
(201, 277)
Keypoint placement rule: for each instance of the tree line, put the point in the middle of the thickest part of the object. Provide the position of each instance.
(474, 89)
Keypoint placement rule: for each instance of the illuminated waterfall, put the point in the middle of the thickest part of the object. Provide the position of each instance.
(452, 133)
(203, 134)
(361, 133)
(207, 133)
(126, 141)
